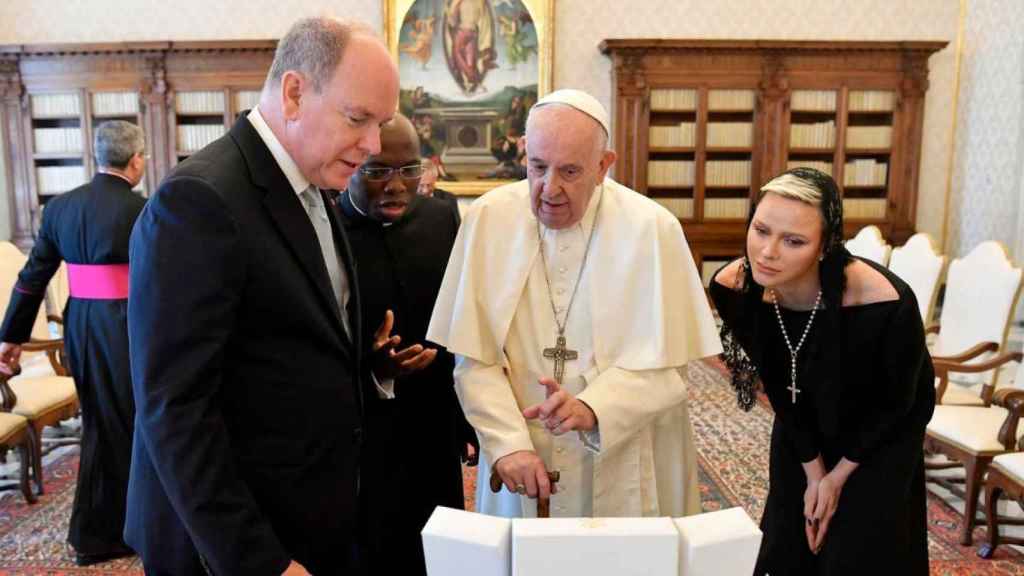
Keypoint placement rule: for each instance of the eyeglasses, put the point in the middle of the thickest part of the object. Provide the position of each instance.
(385, 173)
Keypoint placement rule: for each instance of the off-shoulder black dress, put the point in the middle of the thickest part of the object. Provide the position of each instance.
(866, 393)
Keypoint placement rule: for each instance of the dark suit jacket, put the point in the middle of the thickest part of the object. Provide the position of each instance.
(248, 390)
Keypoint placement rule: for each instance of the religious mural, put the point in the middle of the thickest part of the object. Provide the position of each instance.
(469, 71)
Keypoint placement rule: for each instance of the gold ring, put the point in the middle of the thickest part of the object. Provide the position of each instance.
(520, 489)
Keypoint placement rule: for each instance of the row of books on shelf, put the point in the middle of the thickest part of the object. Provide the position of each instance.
(685, 100)
(730, 99)
(737, 208)
(55, 105)
(865, 172)
(192, 137)
(51, 180)
(813, 100)
(730, 134)
(670, 173)
(115, 103)
(869, 136)
(817, 135)
(872, 100)
(57, 140)
(211, 102)
(680, 135)
(667, 99)
(714, 208)
(818, 165)
(681, 208)
(727, 173)
(864, 208)
(246, 99)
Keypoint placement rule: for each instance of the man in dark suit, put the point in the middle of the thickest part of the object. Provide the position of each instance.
(88, 228)
(401, 243)
(247, 360)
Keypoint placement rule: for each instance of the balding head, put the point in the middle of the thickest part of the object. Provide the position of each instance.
(386, 185)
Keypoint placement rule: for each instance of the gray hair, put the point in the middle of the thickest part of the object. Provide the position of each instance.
(115, 142)
(314, 47)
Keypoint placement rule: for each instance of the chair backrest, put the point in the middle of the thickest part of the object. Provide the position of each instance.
(868, 243)
(981, 291)
(919, 265)
(11, 263)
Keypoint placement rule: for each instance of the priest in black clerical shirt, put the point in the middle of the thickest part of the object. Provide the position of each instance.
(401, 243)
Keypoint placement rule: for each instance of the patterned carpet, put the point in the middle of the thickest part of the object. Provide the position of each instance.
(733, 457)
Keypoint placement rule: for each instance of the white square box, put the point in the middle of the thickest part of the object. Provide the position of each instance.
(459, 542)
(595, 547)
(718, 543)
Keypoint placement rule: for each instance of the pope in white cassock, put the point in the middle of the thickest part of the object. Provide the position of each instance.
(571, 302)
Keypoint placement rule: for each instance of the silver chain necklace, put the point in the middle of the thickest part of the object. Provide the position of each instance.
(793, 351)
(560, 353)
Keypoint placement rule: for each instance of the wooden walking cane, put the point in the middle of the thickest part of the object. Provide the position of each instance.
(543, 504)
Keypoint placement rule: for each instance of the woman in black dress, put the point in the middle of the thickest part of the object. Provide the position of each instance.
(838, 344)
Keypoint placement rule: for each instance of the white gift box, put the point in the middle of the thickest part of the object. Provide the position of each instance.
(717, 543)
(458, 542)
(595, 547)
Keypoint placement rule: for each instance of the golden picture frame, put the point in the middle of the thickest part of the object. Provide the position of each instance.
(470, 70)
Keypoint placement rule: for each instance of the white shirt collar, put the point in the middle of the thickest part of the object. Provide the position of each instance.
(284, 160)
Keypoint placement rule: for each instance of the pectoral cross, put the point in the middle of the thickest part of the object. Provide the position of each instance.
(560, 354)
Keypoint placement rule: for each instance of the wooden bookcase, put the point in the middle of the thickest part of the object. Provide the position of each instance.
(700, 125)
(183, 94)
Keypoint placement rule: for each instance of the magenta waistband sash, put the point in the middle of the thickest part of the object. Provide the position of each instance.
(98, 281)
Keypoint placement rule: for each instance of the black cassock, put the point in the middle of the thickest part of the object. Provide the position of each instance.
(411, 459)
(868, 400)
(89, 225)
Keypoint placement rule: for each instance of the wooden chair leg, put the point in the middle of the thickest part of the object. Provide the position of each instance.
(975, 469)
(992, 494)
(36, 446)
(25, 452)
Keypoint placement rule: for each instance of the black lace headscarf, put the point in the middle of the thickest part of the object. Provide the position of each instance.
(744, 367)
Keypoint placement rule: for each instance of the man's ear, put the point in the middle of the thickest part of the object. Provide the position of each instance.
(293, 85)
(607, 160)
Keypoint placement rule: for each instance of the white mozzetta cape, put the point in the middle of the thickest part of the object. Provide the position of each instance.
(648, 306)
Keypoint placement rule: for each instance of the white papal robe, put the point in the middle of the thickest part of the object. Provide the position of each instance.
(639, 315)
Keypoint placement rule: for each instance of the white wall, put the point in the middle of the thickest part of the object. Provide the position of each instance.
(579, 26)
(989, 158)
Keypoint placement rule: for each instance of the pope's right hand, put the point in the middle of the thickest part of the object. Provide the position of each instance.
(523, 472)
(10, 354)
(295, 569)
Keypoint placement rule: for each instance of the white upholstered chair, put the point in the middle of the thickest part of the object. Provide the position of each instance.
(920, 265)
(869, 243)
(43, 393)
(971, 436)
(981, 291)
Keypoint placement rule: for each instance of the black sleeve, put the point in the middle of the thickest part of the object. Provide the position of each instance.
(905, 366)
(187, 273)
(30, 289)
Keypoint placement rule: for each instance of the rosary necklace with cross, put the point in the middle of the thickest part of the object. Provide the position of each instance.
(793, 390)
(560, 353)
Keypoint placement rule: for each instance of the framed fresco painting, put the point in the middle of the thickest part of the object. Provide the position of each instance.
(470, 70)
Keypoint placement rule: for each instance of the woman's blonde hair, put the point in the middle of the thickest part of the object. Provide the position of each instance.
(790, 185)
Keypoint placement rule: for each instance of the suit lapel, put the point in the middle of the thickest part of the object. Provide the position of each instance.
(289, 216)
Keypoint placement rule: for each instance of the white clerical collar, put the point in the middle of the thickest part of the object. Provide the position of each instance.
(284, 160)
(586, 224)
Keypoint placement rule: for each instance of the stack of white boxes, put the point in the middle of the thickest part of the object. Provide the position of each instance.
(717, 543)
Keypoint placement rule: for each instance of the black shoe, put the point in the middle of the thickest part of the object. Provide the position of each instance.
(96, 558)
